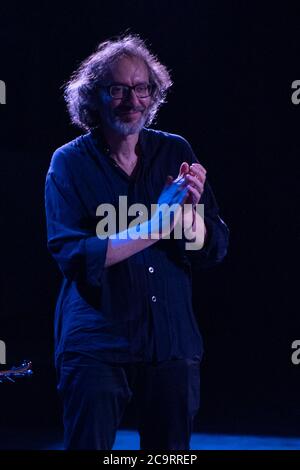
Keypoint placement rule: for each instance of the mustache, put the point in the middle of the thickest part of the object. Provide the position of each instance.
(127, 109)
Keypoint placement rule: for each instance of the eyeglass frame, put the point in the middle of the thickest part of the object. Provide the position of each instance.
(128, 89)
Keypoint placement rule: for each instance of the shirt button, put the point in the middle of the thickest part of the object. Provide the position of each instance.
(153, 298)
(151, 270)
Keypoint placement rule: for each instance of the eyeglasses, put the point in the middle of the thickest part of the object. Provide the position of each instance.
(141, 90)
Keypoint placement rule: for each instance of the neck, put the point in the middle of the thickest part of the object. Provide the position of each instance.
(122, 147)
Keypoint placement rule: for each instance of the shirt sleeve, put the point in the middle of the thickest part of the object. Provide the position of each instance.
(80, 254)
(215, 247)
(216, 243)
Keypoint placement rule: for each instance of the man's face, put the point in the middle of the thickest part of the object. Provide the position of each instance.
(126, 115)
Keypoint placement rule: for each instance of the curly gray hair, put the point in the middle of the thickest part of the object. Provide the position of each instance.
(81, 92)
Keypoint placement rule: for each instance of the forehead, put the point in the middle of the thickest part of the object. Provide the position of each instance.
(129, 70)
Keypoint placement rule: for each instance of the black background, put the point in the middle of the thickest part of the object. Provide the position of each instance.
(233, 64)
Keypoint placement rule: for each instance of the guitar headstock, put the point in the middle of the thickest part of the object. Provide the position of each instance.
(10, 375)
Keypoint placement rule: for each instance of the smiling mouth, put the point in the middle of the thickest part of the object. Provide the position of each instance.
(129, 112)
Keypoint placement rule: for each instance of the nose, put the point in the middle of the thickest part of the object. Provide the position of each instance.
(131, 98)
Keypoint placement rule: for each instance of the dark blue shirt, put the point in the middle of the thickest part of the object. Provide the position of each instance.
(139, 309)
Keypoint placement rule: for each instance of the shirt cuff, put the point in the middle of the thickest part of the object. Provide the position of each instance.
(95, 259)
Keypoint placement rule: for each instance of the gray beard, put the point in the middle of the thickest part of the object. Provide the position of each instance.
(125, 128)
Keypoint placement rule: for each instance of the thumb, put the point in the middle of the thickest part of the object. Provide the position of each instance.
(184, 168)
(169, 180)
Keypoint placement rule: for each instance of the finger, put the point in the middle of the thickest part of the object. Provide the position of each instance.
(199, 175)
(171, 184)
(179, 184)
(181, 196)
(198, 170)
(196, 195)
(169, 180)
(174, 188)
(184, 168)
(198, 166)
(194, 181)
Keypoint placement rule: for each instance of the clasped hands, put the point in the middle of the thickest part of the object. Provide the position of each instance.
(194, 176)
(186, 190)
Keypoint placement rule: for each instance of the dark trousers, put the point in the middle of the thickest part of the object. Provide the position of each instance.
(95, 395)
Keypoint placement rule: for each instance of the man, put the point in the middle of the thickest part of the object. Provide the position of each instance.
(124, 322)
